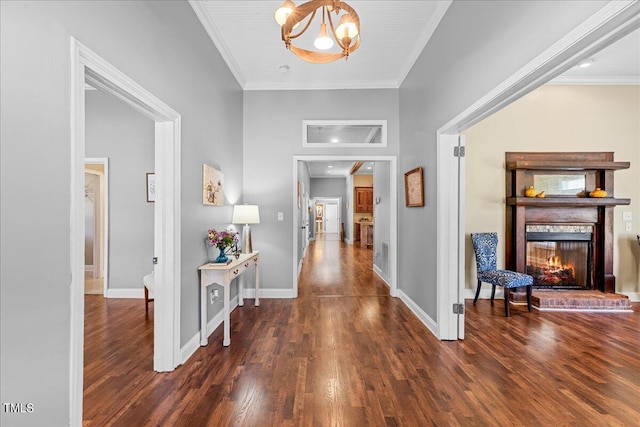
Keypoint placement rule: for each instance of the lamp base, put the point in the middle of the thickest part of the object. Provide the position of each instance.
(246, 239)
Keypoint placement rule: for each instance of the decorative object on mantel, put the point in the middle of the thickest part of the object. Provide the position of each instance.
(246, 214)
(220, 240)
(540, 195)
(530, 192)
(598, 193)
(212, 186)
(346, 34)
(414, 188)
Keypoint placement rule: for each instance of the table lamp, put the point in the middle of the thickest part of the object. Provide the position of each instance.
(246, 214)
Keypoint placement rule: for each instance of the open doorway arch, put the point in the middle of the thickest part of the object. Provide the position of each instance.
(393, 217)
(611, 23)
(86, 66)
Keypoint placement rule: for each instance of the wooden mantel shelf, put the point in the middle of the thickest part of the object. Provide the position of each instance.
(566, 201)
(567, 165)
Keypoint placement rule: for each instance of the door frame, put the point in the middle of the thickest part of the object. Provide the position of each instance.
(88, 67)
(104, 217)
(393, 214)
(330, 201)
(609, 24)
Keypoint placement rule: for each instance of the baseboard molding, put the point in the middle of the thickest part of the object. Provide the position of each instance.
(378, 271)
(250, 293)
(484, 293)
(633, 296)
(420, 314)
(193, 344)
(88, 268)
(125, 293)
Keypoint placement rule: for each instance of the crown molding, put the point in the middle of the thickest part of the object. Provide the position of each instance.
(200, 10)
(597, 80)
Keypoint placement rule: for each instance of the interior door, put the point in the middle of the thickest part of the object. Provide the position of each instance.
(331, 218)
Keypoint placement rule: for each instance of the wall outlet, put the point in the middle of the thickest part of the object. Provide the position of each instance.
(213, 296)
(626, 216)
(627, 226)
(280, 216)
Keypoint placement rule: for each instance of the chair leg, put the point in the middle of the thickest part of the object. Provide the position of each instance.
(529, 290)
(506, 302)
(477, 292)
(146, 301)
(493, 291)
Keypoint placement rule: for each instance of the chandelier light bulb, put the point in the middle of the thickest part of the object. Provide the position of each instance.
(323, 42)
(346, 28)
(283, 12)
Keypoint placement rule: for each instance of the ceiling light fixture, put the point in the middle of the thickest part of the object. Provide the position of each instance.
(346, 34)
(586, 64)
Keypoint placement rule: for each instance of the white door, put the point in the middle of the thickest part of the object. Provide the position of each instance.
(331, 218)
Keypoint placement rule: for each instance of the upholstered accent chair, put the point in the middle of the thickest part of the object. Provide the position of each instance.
(485, 247)
(148, 287)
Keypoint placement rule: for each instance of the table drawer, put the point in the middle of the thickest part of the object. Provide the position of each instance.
(240, 268)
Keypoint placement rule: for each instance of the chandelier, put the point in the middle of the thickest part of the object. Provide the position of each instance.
(346, 34)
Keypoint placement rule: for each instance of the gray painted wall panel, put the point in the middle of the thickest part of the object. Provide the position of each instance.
(476, 46)
(163, 47)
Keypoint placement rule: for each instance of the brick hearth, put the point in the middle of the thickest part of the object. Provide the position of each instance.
(575, 300)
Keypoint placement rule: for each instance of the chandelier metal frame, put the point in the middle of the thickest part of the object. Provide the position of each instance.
(347, 43)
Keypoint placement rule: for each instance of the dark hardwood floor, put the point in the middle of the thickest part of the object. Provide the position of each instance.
(344, 353)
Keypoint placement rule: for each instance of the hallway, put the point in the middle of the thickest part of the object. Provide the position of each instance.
(345, 353)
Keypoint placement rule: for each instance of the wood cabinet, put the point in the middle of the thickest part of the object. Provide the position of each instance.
(364, 199)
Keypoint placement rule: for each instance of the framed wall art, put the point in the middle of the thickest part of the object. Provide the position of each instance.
(151, 187)
(212, 186)
(414, 188)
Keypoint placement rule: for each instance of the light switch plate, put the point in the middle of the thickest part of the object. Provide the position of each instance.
(280, 216)
(627, 226)
(626, 216)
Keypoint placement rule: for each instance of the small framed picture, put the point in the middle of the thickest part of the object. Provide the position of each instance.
(414, 188)
(151, 187)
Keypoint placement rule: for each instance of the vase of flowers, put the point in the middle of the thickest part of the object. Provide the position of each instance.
(221, 240)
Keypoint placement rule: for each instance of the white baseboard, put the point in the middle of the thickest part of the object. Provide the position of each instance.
(88, 268)
(268, 293)
(420, 314)
(484, 293)
(125, 293)
(633, 296)
(378, 271)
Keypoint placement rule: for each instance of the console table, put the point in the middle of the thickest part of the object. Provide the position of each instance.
(223, 274)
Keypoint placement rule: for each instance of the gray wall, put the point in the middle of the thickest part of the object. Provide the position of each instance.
(382, 215)
(269, 147)
(476, 46)
(116, 131)
(162, 46)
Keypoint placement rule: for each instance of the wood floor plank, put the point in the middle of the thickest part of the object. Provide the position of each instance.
(344, 353)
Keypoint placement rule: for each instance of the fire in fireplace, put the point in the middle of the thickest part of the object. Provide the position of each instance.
(559, 256)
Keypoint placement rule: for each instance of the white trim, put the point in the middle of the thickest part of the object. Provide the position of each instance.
(136, 293)
(86, 66)
(378, 272)
(420, 314)
(307, 123)
(200, 8)
(633, 296)
(104, 190)
(393, 208)
(609, 24)
(602, 81)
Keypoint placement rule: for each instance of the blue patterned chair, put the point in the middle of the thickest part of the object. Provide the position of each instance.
(485, 247)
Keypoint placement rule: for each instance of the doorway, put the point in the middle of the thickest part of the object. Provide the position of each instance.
(88, 67)
(390, 247)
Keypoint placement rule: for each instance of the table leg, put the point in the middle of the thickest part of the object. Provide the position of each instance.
(203, 308)
(227, 330)
(257, 279)
(240, 281)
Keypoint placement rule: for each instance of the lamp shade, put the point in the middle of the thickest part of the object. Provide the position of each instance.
(246, 214)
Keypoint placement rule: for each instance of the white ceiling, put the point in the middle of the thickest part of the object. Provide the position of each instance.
(248, 38)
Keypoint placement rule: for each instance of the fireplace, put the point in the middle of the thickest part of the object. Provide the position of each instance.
(563, 238)
(560, 256)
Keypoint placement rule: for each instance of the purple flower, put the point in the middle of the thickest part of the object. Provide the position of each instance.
(222, 239)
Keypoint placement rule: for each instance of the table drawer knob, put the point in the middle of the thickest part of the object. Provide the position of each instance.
(246, 265)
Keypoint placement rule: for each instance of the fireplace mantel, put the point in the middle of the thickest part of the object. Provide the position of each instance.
(596, 170)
